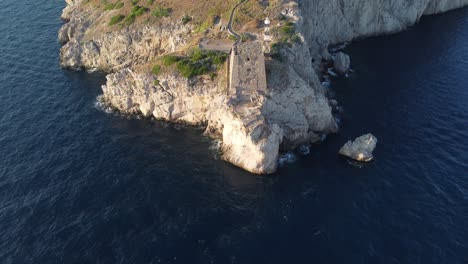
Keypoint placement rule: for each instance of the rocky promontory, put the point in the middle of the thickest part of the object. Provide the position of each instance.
(157, 67)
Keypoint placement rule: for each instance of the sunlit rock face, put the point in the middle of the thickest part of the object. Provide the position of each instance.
(360, 149)
(327, 22)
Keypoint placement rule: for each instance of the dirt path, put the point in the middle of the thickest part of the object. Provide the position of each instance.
(229, 27)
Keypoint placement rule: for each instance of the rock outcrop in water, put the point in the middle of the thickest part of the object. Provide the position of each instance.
(360, 149)
(253, 128)
(342, 63)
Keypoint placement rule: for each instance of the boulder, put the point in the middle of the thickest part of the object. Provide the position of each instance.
(342, 63)
(361, 149)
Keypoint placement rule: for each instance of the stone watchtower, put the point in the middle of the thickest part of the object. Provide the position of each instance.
(247, 69)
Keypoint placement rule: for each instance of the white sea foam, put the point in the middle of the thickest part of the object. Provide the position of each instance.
(340, 47)
(326, 82)
(215, 147)
(304, 150)
(331, 72)
(338, 120)
(101, 105)
(287, 158)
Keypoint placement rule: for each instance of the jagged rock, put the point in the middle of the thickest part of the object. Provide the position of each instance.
(360, 149)
(339, 21)
(342, 63)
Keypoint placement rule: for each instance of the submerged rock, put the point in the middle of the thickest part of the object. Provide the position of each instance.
(342, 63)
(361, 149)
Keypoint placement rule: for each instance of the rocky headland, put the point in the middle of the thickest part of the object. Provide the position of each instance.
(151, 52)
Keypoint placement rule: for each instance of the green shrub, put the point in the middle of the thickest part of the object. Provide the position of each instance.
(186, 19)
(135, 2)
(170, 60)
(197, 55)
(197, 63)
(217, 58)
(156, 82)
(136, 11)
(150, 2)
(162, 12)
(130, 19)
(287, 30)
(156, 69)
(139, 10)
(116, 19)
(190, 69)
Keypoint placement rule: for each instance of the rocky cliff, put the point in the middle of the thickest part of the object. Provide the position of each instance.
(294, 110)
(325, 22)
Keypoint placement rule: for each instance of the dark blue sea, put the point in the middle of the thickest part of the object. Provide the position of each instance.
(79, 185)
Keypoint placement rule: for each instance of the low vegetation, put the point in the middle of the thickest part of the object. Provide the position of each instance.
(198, 62)
(130, 19)
(162, 12)
(287, 36)
(112, 6)
(116, 19)
(156, 69)
(288, 33)
(186, 19)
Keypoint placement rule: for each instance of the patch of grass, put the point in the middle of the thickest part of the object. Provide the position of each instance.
(169, 60)
(157, 83)
(288, 33)
(119, 5)
(288, 30)
(135, 2)
(116, 19)
(162, 12)
(112, 6)
(109, 6)
(139, 10)
(136, 12)
(150, 2)
(130, 19)
(233, 38)
(189, 69)
(204, 26)
(156, 70)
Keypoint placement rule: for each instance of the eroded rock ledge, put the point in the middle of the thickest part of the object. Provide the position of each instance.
(253, 126)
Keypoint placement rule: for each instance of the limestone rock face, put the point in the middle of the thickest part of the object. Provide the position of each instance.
(326, 22)
(360, 149)
(174, 99)
(342, 63)
(255, 149)
(300, 108)
(90, 44)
